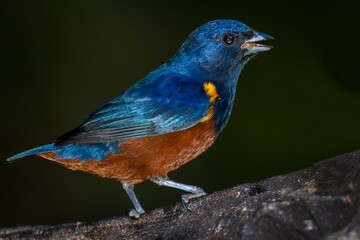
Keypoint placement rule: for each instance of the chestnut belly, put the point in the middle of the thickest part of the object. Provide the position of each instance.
(143, 158)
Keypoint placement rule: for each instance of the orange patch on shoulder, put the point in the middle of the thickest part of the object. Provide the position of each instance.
(141, 159)
(211, 92)
(209, 115)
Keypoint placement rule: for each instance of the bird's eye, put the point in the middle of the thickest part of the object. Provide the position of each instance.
(228, 39)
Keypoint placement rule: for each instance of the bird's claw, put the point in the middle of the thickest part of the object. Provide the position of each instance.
(185, 199)
(133, 213)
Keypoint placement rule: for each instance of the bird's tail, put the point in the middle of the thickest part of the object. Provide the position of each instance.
(34, 151)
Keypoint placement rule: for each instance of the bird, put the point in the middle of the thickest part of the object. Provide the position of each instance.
(166, 119)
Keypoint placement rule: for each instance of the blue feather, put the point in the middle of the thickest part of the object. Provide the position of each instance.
(156, 105)
(83, 152)
(86, 152)
(34, 151)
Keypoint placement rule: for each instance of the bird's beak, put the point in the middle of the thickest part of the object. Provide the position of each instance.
(251, 46)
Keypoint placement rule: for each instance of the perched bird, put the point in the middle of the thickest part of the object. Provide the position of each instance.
(166, 119)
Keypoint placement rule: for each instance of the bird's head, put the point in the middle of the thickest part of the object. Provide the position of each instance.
(222, 46)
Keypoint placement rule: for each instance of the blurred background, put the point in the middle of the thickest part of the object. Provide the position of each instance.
(296, 105)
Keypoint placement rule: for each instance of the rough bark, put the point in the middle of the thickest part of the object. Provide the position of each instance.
(320, 202)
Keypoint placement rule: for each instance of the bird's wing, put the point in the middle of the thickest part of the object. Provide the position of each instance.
(147, 109)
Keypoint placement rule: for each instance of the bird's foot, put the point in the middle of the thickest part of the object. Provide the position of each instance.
(133, 213)
(185, 199)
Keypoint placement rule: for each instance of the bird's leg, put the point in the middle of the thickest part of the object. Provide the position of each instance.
(194, 192)
(135, 213)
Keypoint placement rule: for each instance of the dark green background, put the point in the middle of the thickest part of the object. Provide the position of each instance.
(295, 105)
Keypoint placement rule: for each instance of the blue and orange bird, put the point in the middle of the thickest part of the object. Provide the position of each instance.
(166, 119)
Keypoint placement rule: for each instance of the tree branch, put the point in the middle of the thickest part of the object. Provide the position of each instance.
(320, 202)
